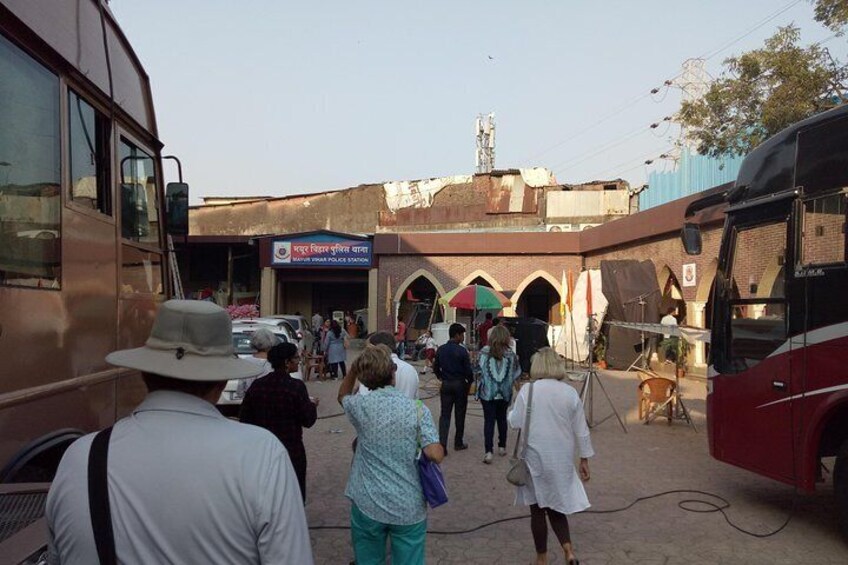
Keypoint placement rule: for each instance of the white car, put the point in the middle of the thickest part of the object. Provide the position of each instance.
(302, 327)
(230, 401)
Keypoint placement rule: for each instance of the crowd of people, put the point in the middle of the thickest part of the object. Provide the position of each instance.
(228, 492)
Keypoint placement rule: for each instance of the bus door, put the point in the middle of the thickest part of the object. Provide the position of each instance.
(753, 389)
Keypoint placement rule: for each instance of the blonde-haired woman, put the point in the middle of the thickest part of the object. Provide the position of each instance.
(557, 435)
(498, 370)
(383, 486)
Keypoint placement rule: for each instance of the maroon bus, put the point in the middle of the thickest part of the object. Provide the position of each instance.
(777, 400)
(82, 242)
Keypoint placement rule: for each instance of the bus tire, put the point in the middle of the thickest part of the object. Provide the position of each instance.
(840, 486)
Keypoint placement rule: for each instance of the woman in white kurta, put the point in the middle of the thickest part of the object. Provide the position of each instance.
(558, 435)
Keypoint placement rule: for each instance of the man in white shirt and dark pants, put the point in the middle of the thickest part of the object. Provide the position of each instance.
(669, 341)
(179, 483)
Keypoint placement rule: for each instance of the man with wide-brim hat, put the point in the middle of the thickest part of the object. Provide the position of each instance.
(184, 484)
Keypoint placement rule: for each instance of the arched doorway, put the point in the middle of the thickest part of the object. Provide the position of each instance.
(481, 282)
(418, 305)
(539, 299)
(482, 278)
(672, 295)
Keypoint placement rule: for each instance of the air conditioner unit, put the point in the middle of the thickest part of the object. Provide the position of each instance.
(587, 226)
(559, 227)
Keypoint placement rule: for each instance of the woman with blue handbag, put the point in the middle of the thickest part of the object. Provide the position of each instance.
(386, 478)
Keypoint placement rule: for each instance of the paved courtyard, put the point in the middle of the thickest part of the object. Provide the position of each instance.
(646, 461)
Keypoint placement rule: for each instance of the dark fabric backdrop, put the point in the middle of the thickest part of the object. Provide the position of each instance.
(622, 283)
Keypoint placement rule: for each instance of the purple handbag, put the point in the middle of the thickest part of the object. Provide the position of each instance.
(432, 481)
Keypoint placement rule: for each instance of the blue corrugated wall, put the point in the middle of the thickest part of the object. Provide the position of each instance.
(694, 173)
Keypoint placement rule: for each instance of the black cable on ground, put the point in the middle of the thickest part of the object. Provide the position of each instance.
(328, 416)
(721, 507)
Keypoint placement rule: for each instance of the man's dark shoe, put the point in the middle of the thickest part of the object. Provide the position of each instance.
(460, 447)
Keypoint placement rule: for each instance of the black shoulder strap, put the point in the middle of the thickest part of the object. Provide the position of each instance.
(98, 498)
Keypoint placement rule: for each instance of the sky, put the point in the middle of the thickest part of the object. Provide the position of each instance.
(276, 98)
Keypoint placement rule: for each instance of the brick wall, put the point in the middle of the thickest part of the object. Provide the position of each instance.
(758, 258)
(667, 251)
(824, 238)
(509, 271)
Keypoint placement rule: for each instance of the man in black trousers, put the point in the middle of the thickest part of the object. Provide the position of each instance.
(452, 367)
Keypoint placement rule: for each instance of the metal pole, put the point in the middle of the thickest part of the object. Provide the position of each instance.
(179, 165)
(229, 275)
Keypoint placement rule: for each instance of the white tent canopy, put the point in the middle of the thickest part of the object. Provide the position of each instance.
(577, 332)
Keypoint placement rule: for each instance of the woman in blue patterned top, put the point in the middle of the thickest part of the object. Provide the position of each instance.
(383, 486)
(499, 368)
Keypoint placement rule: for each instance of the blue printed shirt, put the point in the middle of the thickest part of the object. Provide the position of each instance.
(497, 375)
(384, 481)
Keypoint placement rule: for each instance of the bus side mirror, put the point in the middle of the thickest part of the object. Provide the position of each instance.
(176, 208)
(691, 237)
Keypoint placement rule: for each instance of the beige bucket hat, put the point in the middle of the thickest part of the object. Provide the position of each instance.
(191, 340)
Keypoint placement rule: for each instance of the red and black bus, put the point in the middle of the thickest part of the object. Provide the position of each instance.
(777, 399)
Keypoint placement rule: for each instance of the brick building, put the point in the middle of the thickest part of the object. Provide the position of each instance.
(512, 230)
(528, 267)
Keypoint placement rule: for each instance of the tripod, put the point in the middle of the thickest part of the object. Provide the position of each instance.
(680, 412)
(587, 392)
(643, 360)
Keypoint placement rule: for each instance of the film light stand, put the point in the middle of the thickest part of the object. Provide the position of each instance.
(587, 392)
(642, 361)
(679, 410)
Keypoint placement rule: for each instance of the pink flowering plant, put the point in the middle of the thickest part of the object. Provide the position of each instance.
(243, 311)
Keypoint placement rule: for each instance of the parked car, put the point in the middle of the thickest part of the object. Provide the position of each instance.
(302, 328)
(230, 401)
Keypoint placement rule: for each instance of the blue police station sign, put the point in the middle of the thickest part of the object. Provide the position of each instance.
(321, 250)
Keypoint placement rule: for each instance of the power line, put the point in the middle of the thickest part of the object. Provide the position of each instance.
(627, 137)
(614, 170)
(667, 83)
(573, 161)
(710, 54)
(591, 126)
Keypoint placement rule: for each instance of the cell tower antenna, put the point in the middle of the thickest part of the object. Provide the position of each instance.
(484, 129)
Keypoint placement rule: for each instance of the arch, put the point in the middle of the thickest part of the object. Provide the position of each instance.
(411, 279)
(529, 279)
(671, 295)
(773, 274)
(483, 275)
(706, 282)
(663, 276)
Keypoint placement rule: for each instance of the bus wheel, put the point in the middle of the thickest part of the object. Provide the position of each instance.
(840, 486)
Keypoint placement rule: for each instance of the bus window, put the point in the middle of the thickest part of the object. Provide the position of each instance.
(823, 235)
(88, 132)
(758, 321)
(139, 203)
(30, 187)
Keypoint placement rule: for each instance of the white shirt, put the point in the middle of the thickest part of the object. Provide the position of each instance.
(406, 379)
(186, 485)
(317, 320)
(668, 320)
(558, 433)
(513, 345)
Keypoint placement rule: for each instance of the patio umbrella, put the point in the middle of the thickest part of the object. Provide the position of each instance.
(475, 297)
